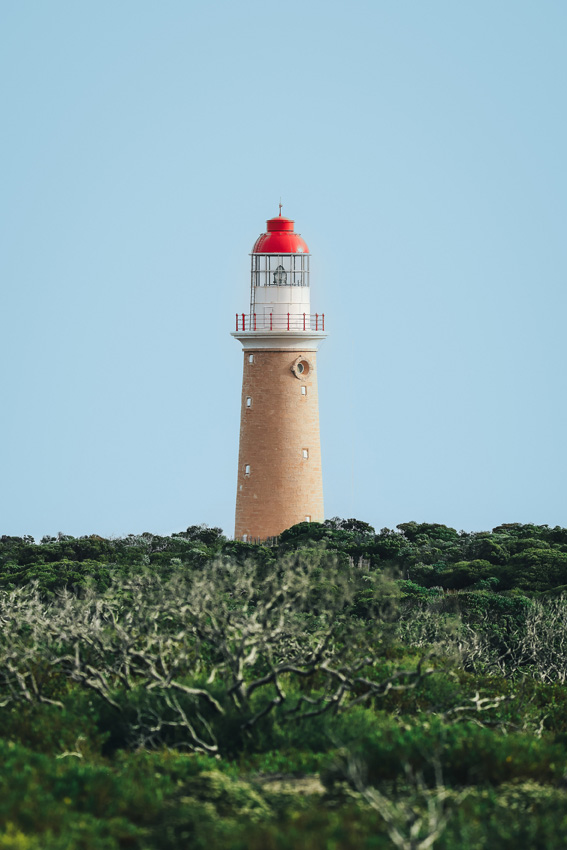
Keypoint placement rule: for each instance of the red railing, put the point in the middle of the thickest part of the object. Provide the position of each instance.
(280, 322)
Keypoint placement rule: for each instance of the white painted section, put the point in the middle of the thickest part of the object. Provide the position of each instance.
(281, 300)
(285, 341)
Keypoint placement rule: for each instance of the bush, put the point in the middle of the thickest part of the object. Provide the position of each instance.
(469, 754)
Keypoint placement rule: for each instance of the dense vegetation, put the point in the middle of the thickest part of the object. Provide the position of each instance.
(337, 689)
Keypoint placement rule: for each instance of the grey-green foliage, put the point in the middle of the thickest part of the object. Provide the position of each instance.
(187, 659)
(534, 644)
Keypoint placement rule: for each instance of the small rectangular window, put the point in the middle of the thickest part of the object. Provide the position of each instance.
(303, 390)
(305, 453)
(308, 519)
(247, 469)
(248, 402)
(250, 358)
(244, 538)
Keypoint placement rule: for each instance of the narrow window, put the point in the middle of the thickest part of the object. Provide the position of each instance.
(305, 453)
(244, 538)
(248, 402)
(247, 469)
(303, 390)
(307, 519)
(250, 358)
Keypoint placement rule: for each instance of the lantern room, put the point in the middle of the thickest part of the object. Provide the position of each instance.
(279, 275)
(280, 270)
(279, 290)
(280, 257)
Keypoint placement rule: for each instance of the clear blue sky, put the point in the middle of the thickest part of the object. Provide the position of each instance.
(420, 148)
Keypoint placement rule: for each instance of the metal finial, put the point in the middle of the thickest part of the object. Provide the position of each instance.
(280, 206)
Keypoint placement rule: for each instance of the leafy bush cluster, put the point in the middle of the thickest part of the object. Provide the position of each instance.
(337, 688)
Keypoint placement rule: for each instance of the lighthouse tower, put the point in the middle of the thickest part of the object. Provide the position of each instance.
(279, 463)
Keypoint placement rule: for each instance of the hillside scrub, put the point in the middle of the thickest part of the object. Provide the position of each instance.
(157, 691)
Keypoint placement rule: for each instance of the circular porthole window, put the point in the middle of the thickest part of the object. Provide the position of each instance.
(301, 368)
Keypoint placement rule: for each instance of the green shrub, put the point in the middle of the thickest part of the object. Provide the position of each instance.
(469, 754)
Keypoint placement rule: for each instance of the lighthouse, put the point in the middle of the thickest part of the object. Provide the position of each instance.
(279, 463)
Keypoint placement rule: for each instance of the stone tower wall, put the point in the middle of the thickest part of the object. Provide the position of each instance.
(279, 423)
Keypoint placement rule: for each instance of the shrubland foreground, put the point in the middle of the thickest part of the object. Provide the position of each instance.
(337, 689)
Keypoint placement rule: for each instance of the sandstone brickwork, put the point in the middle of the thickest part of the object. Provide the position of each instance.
(279, 425)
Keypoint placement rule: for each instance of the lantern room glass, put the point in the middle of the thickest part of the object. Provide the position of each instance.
(280, 270)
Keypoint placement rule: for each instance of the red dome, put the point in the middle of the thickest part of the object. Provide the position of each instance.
(280, 238)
